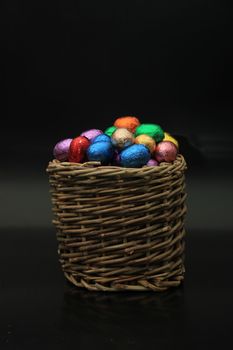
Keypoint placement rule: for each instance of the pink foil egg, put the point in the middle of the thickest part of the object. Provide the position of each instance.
(152, 162)
(61, 150)
(165, 151)
(91, 134)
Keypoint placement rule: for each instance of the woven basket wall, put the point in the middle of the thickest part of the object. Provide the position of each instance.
(120, 228)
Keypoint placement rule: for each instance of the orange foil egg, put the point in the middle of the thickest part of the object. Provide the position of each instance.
(127, 122)
(146, 140)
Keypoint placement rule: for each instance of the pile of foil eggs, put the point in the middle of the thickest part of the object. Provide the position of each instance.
(127, 143)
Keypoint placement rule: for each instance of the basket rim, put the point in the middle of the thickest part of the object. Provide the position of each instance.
(95, 168)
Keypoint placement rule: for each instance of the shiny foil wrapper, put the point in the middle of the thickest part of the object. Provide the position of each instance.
(165, 151)
(61, 150)
(135, 156)
(102, 137)
(78, 148)
(152, 162)
(122, 138)
(146, 140)
(100, 152)
(91, 134)
(127, 122)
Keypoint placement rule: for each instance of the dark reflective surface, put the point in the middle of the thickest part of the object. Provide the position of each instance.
(39, 309)
(125, 319)
(71, 66)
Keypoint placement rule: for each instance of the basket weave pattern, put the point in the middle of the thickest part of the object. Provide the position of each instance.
(120, 228)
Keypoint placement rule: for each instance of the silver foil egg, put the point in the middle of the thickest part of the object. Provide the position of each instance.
(122, 138)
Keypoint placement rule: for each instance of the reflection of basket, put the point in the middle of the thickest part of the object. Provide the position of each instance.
(108, 313)
(120, 228)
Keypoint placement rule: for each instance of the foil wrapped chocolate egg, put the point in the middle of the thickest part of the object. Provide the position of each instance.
(116, 158)
(61, 150)
(152, 162)
(78, 148)
(109, 131)
(128, 122)
(134, 156)
(91, 134)
(122, 138)
(153, 130)
(101, 151)
(146, 140)
(102, 137)
(165, 151)
(168, 137)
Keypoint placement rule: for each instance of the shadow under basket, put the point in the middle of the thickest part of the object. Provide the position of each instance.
(120, 228)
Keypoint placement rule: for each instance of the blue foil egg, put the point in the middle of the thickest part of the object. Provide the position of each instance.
(101, 151)
(102, 138)
(135, 156)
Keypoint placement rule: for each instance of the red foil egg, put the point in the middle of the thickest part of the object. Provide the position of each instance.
(165, 151)
(77, 150)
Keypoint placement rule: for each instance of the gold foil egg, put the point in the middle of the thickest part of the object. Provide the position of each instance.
(146, 140)
(168, 137)
(122, 138)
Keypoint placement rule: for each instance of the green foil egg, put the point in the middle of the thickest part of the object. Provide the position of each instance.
(109, 131)
(152, 130)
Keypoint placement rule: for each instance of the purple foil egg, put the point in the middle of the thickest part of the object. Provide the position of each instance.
(116, 159)
(152, 162)
(91, 134)
(61, 150)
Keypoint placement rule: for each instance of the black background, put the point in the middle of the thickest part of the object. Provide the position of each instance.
(70, 66)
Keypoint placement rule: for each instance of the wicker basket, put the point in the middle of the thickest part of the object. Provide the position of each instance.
(120, 228)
